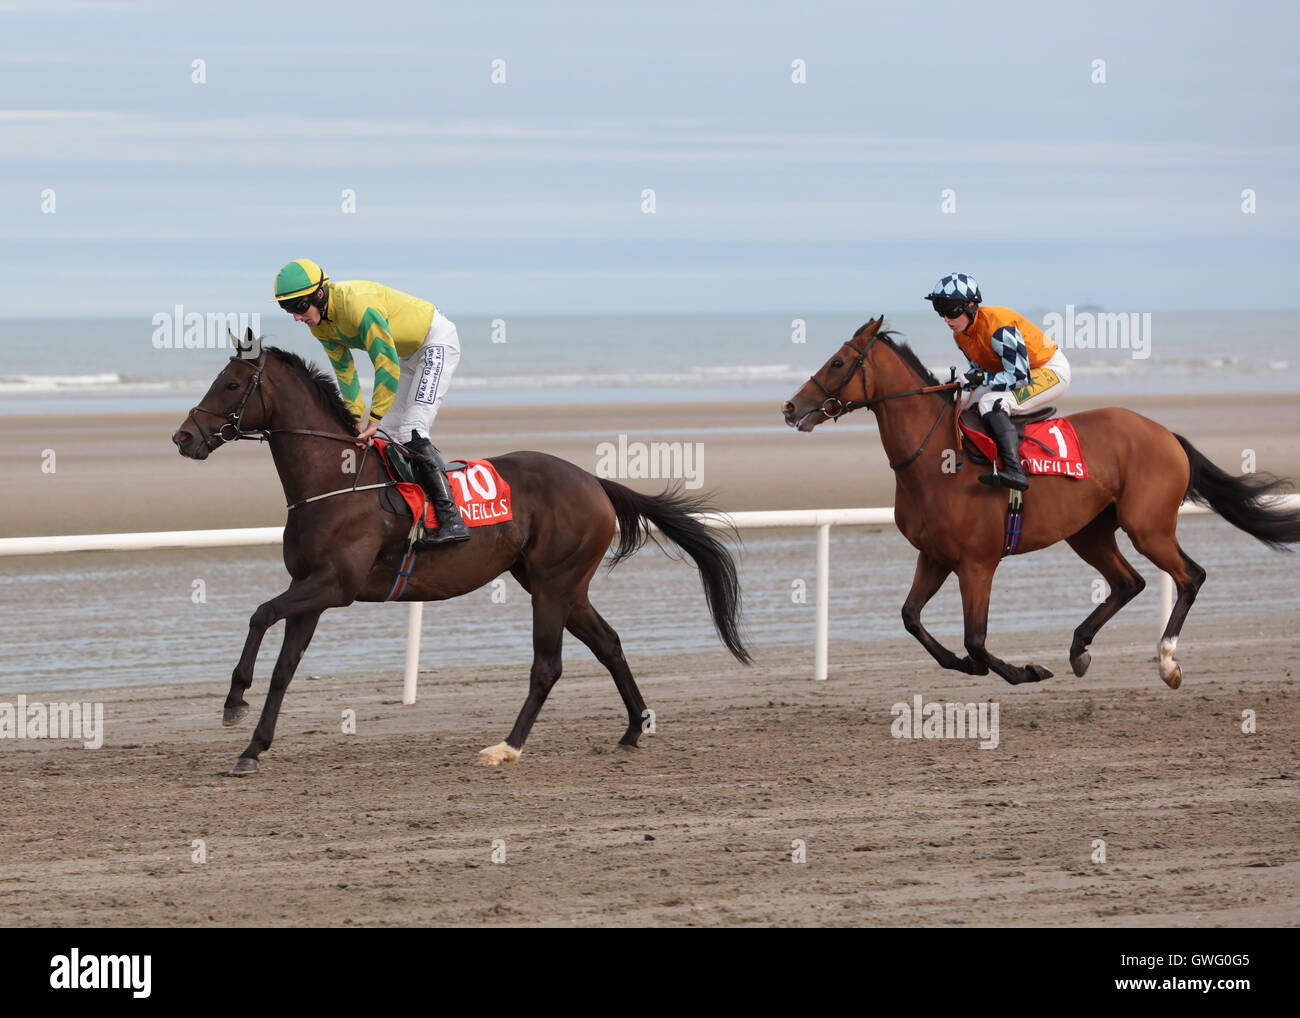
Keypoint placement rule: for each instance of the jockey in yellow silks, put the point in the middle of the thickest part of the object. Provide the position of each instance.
(414, 349)
(1014, 367)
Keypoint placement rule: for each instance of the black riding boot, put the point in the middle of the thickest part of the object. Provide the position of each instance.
(1012, 475)
(433, 478)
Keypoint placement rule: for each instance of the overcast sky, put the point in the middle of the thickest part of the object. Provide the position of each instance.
(770, 196)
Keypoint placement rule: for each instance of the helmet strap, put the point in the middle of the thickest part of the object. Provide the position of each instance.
(321, 300)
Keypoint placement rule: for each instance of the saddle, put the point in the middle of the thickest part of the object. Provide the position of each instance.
(399, 469)
(399, 464)
(972, 419)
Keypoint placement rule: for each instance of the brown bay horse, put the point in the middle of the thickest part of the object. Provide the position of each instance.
(345, 547)
(1139, 473)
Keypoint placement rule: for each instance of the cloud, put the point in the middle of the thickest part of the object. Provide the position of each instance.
(123, 137)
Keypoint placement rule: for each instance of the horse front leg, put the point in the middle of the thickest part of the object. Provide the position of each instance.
(298, 630)
(318, 591)
(976, 579)
(929, 577)
(236, 707)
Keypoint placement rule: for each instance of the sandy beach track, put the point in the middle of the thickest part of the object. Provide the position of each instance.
(394, 826)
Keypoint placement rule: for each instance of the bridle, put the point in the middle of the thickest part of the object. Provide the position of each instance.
(234, 420)
(833, 407)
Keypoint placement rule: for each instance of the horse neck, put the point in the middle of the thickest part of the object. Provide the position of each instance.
(904, 422)
(307, 464)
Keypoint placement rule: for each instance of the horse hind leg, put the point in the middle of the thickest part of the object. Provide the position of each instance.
(549, 615)
(1095, 544)
(1163, 550)
(587, 625)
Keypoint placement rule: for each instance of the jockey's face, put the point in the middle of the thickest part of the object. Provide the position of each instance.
(311, 316)
(955, 312)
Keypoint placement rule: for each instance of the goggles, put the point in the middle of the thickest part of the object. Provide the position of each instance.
(950, 307)
(297, 305)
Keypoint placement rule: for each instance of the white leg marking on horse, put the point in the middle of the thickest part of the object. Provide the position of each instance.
(1169, 669)
(498, 754)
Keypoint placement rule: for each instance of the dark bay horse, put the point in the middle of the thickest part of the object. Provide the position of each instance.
(346, 548)
(1139, 474)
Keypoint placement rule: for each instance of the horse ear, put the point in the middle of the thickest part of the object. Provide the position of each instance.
(248, 336)
(870, 329)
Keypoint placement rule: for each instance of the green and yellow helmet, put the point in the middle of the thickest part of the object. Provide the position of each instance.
(301, 278)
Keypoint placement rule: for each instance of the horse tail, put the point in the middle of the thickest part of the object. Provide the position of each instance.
(671, 513)
(1242, 500)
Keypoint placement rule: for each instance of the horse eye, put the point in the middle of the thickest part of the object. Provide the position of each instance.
(837, 363)
(233, 385)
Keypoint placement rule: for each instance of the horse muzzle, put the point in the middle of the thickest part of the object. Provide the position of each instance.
(189, 446)
(804, 420)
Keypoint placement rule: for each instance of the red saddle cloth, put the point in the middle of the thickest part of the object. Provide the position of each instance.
(481, 494)
(1050, 447)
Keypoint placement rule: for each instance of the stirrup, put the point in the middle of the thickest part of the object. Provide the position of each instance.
(997, 479)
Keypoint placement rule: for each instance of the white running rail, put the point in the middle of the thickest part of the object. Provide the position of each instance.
(822, 519)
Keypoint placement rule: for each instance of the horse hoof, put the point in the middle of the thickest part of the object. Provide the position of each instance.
(244, 766)
(628, 745)
(234, 715)
(496, 755)
(1080, 664)
(1037, 673)
(1170, 670)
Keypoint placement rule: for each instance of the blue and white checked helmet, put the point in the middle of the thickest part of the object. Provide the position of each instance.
(957, 285)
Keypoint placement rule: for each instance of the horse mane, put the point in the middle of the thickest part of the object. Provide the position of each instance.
(320, 383)
(904, 351)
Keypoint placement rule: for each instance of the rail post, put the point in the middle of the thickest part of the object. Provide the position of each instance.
(823, 599)
(412, 651)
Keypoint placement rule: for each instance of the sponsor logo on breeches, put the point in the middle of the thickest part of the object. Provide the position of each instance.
(1040, 380)
(427, 390)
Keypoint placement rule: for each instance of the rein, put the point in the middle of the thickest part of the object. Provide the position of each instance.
(843, 407)
(234, 421)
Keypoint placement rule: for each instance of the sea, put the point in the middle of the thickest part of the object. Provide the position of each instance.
(165, 363)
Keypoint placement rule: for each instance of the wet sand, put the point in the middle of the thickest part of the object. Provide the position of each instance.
(121, 473)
